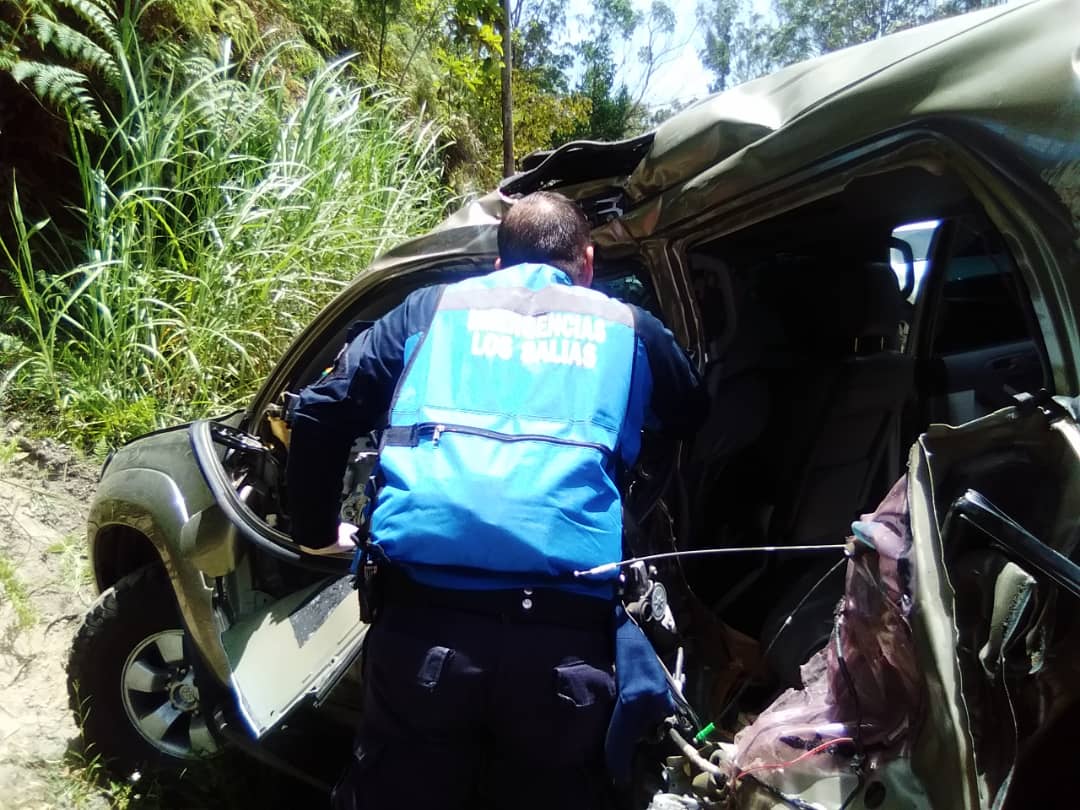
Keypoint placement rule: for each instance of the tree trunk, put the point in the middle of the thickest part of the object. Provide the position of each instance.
(507, 95)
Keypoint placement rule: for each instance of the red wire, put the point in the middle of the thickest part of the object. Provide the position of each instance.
(771, 766)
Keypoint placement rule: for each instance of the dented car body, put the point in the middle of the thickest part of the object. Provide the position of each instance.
(761, 225)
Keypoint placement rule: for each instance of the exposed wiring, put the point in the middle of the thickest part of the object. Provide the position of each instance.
(857, 760)
(776, 636)
(790, 801)
(850, 683)
(817, 749)
(855, 792)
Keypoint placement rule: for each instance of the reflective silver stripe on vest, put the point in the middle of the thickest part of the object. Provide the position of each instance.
(523, 301)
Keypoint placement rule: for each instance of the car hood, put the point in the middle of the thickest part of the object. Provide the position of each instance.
(1010, 74)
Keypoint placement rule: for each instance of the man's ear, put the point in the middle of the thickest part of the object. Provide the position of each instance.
(586, 276)
(498, 263)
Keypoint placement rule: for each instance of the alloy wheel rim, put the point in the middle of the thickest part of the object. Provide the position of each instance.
(157, 685)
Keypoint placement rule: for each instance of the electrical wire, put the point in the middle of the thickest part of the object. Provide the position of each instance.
(855, 791)
(857, 760)
(771, 766)
(612, 566)
(850, 683)
(776, 637)
(790, 801)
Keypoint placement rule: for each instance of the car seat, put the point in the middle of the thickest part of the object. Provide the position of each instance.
(841, 403)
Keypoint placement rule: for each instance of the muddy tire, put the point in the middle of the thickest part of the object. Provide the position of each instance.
(129, 683)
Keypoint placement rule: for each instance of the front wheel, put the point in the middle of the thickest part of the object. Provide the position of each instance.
(130, 683)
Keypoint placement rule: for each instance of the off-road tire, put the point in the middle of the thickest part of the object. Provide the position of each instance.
(138, 606)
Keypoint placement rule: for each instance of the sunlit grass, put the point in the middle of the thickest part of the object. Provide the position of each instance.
(15, 593)
(220, 213)
(72, 564)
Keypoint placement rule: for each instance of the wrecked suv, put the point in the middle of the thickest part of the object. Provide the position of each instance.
(933, 664)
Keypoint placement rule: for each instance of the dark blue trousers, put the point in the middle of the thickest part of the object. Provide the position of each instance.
(466, 707)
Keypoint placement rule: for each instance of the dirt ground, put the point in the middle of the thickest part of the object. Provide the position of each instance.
(45, 588)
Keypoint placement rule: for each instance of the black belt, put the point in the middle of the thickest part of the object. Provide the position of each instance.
(512, 605)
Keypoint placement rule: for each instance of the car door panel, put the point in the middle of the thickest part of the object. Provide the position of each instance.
(984, 346)
(291, 649)
(969, 384)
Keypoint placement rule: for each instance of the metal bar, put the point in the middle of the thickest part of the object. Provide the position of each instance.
(611, 566)
(1016, 541)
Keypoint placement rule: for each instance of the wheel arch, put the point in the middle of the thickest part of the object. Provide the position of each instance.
(120, 550)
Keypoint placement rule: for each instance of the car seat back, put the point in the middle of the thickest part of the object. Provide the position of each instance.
(842, 403)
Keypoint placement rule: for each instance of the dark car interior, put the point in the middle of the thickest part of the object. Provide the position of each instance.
(825, 362)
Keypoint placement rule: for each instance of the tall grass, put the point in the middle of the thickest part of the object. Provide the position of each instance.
(220, 211)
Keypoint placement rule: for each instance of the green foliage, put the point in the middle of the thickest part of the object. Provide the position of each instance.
(67, 88)
(16, 594)
(741, 45)
(226, 181)
(219, 213)
(63, 88)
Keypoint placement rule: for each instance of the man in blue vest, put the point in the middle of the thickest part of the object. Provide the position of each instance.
(516, 400)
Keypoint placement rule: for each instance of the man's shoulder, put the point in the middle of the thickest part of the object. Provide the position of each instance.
(419, 306)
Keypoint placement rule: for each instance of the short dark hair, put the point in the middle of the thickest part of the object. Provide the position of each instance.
(546, 228)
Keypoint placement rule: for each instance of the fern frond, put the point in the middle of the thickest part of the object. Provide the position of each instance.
(75, 45)
(101, 18)
(63, 88)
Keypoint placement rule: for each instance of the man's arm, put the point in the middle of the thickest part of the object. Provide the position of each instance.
(343, 405)
(679, 402)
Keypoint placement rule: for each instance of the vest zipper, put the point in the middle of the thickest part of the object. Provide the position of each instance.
(438, 429)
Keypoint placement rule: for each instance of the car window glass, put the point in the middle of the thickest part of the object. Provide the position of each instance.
(629, 285)
(983, 300)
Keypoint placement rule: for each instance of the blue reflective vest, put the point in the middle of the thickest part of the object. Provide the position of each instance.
(513, 414)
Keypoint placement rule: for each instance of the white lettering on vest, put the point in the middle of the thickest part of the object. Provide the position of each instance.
(556, 338)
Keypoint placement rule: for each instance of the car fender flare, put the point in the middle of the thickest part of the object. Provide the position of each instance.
(159, 515)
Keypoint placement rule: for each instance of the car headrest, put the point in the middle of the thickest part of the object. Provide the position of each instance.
(861, 309)
(883, 304)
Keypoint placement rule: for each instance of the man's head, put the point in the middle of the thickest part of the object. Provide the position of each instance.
(547, 228)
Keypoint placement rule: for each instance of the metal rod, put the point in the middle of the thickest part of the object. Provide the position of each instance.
(603, 569)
